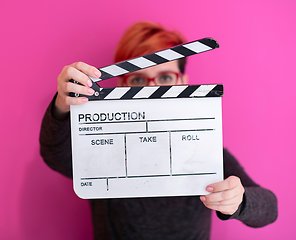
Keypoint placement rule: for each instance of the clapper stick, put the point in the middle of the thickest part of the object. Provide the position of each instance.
(156, 58)
(154, 92)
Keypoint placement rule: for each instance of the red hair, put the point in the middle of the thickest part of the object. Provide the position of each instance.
(145, 37)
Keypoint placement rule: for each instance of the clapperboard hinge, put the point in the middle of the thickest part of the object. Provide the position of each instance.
(160, 92)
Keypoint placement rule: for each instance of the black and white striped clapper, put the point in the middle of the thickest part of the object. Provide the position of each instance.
(149, 60)
(152, 92)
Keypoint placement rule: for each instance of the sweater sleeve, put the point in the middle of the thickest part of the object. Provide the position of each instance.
(259, 205)
(55, 142)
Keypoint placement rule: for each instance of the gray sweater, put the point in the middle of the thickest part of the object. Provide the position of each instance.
(159, 217)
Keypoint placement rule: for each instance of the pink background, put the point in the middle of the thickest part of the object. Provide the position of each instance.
(256, 64)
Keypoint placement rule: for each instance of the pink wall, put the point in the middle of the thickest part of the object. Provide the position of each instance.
(256, 64)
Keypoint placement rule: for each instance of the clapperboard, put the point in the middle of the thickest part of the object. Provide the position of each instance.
(148, 141)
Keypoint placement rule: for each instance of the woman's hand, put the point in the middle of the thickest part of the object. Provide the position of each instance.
(78, 71)
(225, 196)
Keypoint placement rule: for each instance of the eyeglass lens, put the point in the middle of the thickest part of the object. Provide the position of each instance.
(168, 78)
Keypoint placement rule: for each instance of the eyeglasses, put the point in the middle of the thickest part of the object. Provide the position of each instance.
(162, 79)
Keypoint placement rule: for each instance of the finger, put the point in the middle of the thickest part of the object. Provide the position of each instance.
(87, 69)
(79, 72)
(229, 183)
(223, 201)
(220, 196)
(226, 206)
(70, 72)
(75, 101)
(225, 209)
(68, 87)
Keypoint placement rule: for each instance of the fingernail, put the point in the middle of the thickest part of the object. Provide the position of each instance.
(89, 83)
(97, 73)
(91, 91)
(202, 198)
(210, 189)
(84, 99)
